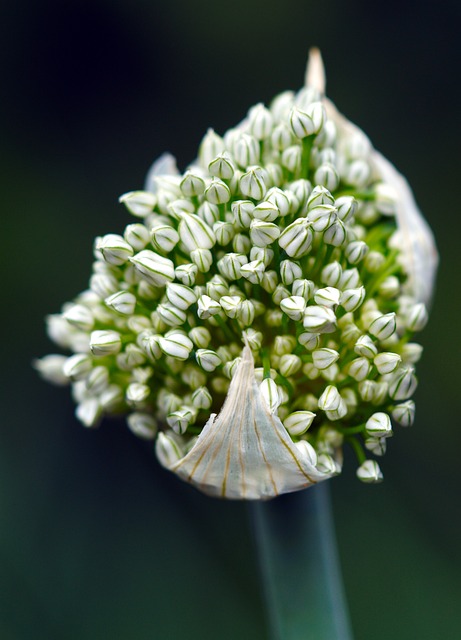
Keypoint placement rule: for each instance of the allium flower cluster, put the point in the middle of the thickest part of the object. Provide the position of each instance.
(281, 234)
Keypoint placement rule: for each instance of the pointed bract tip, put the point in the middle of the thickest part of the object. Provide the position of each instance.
(315, 71)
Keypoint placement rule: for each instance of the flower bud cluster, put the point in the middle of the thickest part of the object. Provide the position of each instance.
(280, 235)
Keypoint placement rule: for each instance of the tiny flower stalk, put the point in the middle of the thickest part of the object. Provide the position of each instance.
(258, 316)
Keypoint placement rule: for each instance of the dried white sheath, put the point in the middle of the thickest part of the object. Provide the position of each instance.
(245, 452)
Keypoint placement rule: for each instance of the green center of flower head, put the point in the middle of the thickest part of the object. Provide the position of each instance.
(282, 235)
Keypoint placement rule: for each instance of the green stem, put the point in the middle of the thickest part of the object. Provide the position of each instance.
(306, 155)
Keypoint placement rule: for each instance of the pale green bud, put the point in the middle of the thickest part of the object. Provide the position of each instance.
(379, 425)
(350, 279)
(201, 398)
(180, 295)
(281, 137)
(270, 394)
(246, 150)
(296, 239)
(252, 183)
(351, 299)
(290, 271)
(322, 216)
(336, 234)
(231, 366)
(241, 243)
(311, 371)
(298, 422)
(105, 343)
(132, 357)
(192, 185)
(390, 287)
(224, 232)
(177, 345)
(289, 364)
(416, 317)
(294, 307)
(207, 307)
(404, 413)
(324, 358)
(171, 315)
(164, 238)
(253, 271)
(357, 173)
(230, 265)
(195, 233)
(346, 207)
(319, 319)
(309, 340)
(269, 281)
(123, 302)
(274, 318)
(309, 121)
(222, 167)
(137, 393)
(139, 203)
(156, 269)
(383, 327)
(373, 262)
(291, 158)
(246, 313)
(304, 288)
(202, 258)
(403, 385)
(359, 368)
(356, 251)
(217, 192)
(79, 316)
(142, 425)
(365, 347)
(330, 399)
(327, 297)
(243, 212)
(327, 176)
(284, 345)
(387, 362)
(207, 359)
(263, 233)
(179, 420)
(111, 398)
(193, 376)
(280, 293)
(376, 445)
(369, 472)
(186, 273)
(350, 334)
(319, 195)
(114, 249)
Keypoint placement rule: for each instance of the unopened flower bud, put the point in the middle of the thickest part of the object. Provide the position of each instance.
(142, 425)
(207, 307)
(386, 198)
(243, 212)
(304, 288)
(294, 307)
(416, 317)
(292, 158)
(319, 319)
(350, 279)
(365, 347)
(137, 393)
(330, 399)
(289, 364)
(309, 121)
(336, 234)
(270, 394)
(246, 150)
(139, 203)
(123, 302)
(346, 207)
(411, 352)
(186, 273)
(177, 345)
(281, 137)
(207, 359)
(79, 316)
(114, 249)
(167, 450)
(359, 369)
(246, 313)
(153, 267)
(224, 232)
(309, 340)
(373, 262)
(386, 362)
(195, 233)
(379, 425)
(202, 258)
(296, 239)
(104, 343)
(327, 176)
(403, 384)
(351, 299)
(192, 185)
(217, 192)
(230, 265)
(324, 358)
(369, 472)
(327, 297)
(383, 327)
(290, 271)
(298, 422)
(179, 420)
(322, 216)
(89, 412)
(252, 183)
(263, 233)
(326, 464)
(356, 251)
(404, 413)
(376, 445)
(180, 296)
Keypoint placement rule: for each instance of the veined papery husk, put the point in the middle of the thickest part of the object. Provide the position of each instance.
(245, 452)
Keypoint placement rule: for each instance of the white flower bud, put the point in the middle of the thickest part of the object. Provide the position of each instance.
(222, 167)
(327, 176)
(88, 412)
(379, 425)
(171, 315)
(266, 211)
(290, 271)
(346, 207)
(243, 212)
(336, 234)
(319, 195)
(104, 343)
(201, 398)
(255, 338)
(311, 371)
(241, 243)
(195, 233)
(137, 393)
(150, 344)
(416, 317)
(97, 380)
(386, 198)
(260, 121)
(132, 357)
(411, 352)
(180, 296)
(252, 183)
(292, 158)
(230, 266)
(279, 199)
(77, 367)
(270, 394)
(322, 216)
(253, 271)
(156, 269)
(330, 399)
(283, 345)
(79, 316)
(177, 345)
(326, 464)
(319, 319)
(224, 232)
(167, 450)
(357, 173)
(376, 445)
(324, 358)
(217, 192)
(114, 249)
(293, 307)
(51, 368)
(207, 359)
(356, 251)
(351, 299)
(404, 413)
(387, 362)
(281, 137)
(309, 121)
(265, 254)
(179, 420)
(296, 239)
(263, 233)
(103, 284)
(246, 313)
(186, 273)
(164, 238)
(207, 307)
(350, 279)
(403, 385)
(369, 472)
(123, 302)
(289, 364)
(365, 347)
(304, 288)
(269, 281)
(210, 147)
(306, 450)
(246, 150)
(192, 185)
(309, 340)
(231, 305)
(231, 366)
(137, 236)
(142, 425)
(359, 369)
(281, 105)
(200, 336)
(373, 262)
(298, 422)
(193, 376)
(383, 327)
(280, 293)
(202, 258)
(111, 398)
(327, 297)
(139, 203)
(338, 413)
(176, 208)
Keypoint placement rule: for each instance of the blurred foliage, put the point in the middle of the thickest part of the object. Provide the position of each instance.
(96, 540)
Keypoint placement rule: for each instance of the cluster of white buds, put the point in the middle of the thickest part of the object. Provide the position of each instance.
(282, 234)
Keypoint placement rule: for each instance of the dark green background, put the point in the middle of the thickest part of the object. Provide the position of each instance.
(96, 541)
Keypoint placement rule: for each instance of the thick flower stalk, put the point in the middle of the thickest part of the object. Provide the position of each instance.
(278, 282)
